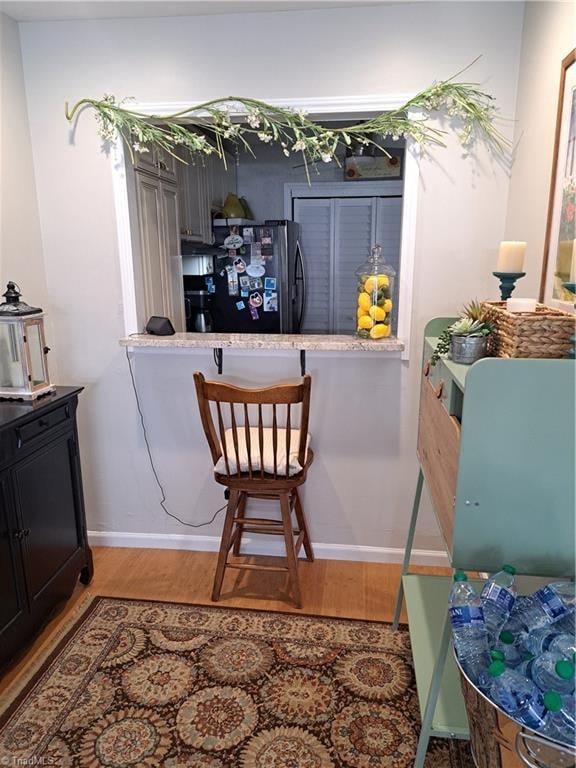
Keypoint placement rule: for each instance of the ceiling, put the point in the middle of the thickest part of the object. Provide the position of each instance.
(63, 10)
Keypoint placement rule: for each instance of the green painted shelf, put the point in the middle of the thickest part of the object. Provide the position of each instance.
(427, 602)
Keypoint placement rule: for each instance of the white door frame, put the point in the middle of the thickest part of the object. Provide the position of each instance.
(341, 107)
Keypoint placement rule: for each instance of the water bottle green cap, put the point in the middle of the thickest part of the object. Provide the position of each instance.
(564, 669)
(496, 668)
(460, 576)
(497, 656)
(552, 701)
(507, 637)
(509, 569)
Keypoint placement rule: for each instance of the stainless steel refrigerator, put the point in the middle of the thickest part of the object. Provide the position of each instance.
(259, 281)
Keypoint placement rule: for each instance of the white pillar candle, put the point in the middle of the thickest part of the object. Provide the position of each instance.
(511, 256)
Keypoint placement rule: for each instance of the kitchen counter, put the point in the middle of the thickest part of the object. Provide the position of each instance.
(272, 341)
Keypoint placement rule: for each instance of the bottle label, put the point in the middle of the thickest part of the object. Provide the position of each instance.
(534, 714)
(500, 596)
(551, 603)
(466, 616)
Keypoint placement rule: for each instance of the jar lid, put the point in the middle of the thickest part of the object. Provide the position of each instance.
(13, 307)
(375, 265)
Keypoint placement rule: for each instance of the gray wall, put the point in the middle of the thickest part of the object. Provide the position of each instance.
(365, 409)
(549, 35)
(20, 242)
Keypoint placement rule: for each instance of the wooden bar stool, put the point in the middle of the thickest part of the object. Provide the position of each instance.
(258, 462)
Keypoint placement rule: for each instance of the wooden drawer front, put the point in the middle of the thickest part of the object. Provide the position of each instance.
(438, 449)
(32, 430)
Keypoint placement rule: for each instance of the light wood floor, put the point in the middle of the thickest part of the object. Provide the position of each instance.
(329, 588)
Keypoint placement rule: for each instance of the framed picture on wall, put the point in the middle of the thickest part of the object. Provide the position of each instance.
(559, 264)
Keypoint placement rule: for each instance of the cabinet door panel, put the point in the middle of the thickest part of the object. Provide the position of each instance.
(153, 270)
(12, 601)
(173, 288)
(45, 488)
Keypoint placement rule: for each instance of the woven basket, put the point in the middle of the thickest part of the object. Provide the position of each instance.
(543, 333)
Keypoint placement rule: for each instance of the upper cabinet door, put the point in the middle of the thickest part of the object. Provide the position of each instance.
(156, 162)
(193, 205)
(166, 164)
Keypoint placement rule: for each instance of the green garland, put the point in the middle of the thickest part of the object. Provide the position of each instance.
(236, 118)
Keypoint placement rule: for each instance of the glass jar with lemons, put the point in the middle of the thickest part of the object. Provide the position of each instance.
(375, 291)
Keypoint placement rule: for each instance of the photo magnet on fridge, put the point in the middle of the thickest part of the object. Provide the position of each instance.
(255, 283)
(240, 305)
(245, 281)
(270, 283)
(239, 265)
(254, 312)
(270, 301)
(244, 293)
(248, 234)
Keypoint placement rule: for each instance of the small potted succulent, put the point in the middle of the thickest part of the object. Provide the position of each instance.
(467, 338)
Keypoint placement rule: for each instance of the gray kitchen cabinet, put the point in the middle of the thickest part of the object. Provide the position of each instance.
(161, 261)
(203, 184)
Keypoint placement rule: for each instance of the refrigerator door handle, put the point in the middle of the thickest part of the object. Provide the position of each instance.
(302, 279)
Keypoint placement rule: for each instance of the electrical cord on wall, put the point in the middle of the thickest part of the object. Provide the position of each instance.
(155, 473)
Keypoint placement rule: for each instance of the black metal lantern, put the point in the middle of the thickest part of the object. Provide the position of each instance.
(23, 363)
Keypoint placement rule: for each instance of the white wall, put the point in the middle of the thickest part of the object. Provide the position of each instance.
(20, 242)
(364, 410)
(549, 35)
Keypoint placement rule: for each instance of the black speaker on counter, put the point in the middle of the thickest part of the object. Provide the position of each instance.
(159, 326)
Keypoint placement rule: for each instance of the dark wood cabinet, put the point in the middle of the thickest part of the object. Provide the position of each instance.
(43, 542)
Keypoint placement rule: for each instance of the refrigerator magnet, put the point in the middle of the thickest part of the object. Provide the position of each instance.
(254, 312)
(255, 283)
(244, 292)
(256, 251)
(233, 242)
(270, 301)
(240, 305)
(255, 300)
(232, 253)
(245, 281)
(248, 234)
(239, 264)
(255, 270)
(270, 283)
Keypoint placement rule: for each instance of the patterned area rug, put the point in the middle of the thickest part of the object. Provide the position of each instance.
(136, 683)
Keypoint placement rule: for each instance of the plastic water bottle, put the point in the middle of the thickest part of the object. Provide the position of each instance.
(548, 605)
(468, 628)
(561, 720)
(552, 672)
(507, 645)
(548, 639)
(517, 696)
(498, 598)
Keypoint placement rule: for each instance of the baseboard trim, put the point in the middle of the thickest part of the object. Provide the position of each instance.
(201, 543)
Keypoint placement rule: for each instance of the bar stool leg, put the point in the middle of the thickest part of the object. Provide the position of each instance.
(241, 514)
(224, 544)
(303, 526)
(290, 553)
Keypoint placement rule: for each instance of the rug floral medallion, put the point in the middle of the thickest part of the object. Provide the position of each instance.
(138, 683)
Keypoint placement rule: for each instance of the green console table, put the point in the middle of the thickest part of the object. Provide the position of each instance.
(496, 447)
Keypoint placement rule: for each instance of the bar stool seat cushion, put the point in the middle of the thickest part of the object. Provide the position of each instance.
(268, 452)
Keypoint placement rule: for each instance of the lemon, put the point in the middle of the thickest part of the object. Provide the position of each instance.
(383, 280)
(387, 306)
(377, 313)
(365, 322)
(364, 301)
(361, 312)
(379, 330)
(371, 284)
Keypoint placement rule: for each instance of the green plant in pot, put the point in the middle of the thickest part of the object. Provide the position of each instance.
(467, 339)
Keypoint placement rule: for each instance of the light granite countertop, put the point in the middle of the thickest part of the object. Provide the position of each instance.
(306, 342)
